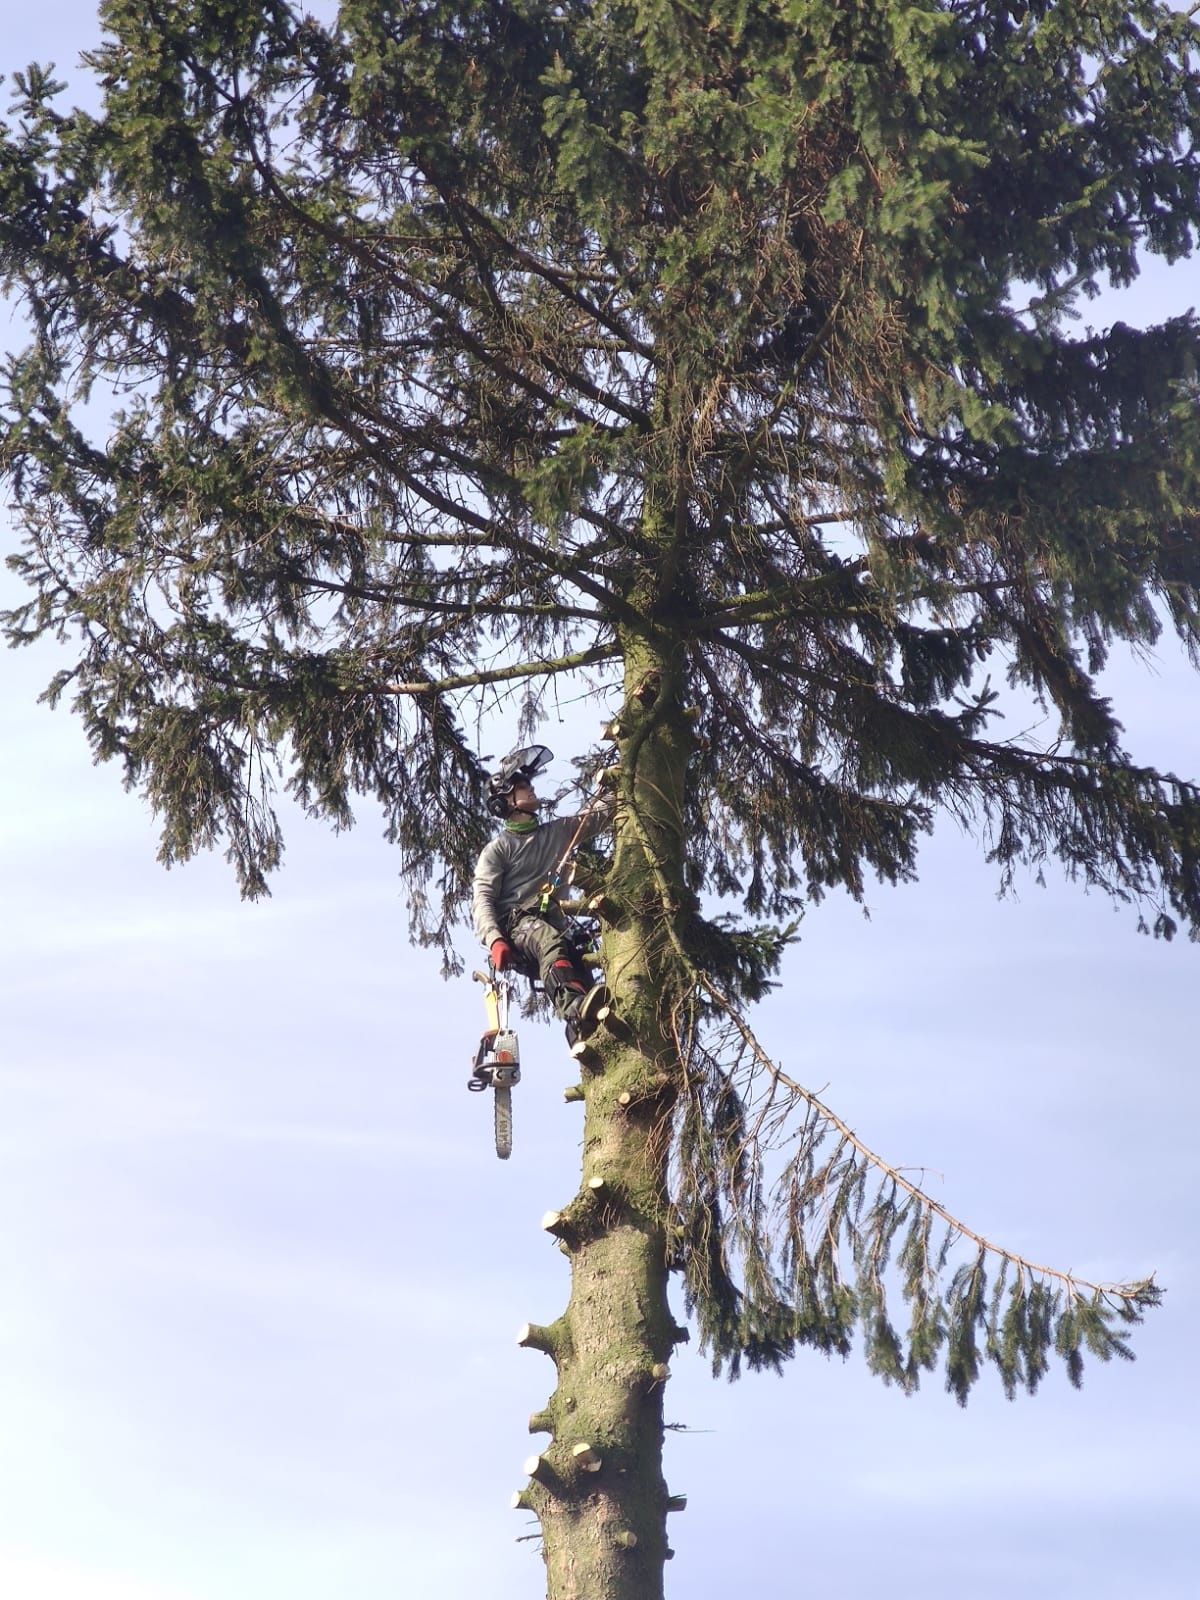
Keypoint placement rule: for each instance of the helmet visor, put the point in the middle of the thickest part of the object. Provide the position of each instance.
(524, 763)
(518, 765)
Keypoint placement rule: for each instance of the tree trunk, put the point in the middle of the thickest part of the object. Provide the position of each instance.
(597, 1487)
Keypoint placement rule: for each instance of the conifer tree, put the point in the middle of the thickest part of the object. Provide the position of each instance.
(387, 370)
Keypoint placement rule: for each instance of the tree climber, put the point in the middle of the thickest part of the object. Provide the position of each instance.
(513, 902)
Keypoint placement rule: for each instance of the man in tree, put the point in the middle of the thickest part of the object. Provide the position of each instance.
(514, 900)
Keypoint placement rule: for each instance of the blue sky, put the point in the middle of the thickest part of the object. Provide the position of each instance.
(261, 1276)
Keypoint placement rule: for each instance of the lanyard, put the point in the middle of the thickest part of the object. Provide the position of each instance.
(551, 886)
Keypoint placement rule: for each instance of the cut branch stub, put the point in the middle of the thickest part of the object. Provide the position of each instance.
(652, 1088)
(586, 1457)
(532, 1336)
(585, 1052)
(557, 1223)
(646, 692)
(616, 1025)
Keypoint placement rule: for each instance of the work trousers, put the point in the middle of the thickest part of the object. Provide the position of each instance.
(540, 939)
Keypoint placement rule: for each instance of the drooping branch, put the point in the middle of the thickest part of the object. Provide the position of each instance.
(795, 1289)
(796, 1092)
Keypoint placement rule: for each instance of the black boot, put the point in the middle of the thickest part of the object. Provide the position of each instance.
(588, 1011)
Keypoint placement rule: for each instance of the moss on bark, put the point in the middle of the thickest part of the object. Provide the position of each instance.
(598, 1488)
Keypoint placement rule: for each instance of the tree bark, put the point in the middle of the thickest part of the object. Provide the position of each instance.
(597, 1487)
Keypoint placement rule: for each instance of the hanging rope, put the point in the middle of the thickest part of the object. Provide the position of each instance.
(552, 885)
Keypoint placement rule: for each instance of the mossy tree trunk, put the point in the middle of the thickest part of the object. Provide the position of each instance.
(598, 1487)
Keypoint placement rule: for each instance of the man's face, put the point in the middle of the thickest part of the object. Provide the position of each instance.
(523, 798)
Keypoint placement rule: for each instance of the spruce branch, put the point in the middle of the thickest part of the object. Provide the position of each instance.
(520, 669)
(820, 1209)
(787, 1244)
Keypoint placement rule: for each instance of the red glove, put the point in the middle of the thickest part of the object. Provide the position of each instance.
(501, 953)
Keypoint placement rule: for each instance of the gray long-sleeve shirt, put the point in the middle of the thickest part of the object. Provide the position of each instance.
(513, 867)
